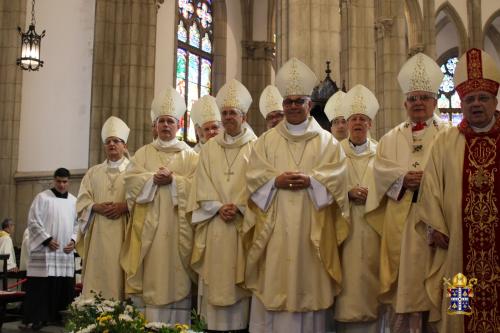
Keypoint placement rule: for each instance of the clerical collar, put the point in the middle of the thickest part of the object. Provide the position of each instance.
(297, 129)
(231, 139)
(120, 165)
(59, 194)
(166, 144)
(358, 149)
(485, 128)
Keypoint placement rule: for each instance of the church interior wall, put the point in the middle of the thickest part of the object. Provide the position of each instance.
(460, 7)
(234, 38)
(165, 51)
(55, 104)
(259, 26)
(446, 34)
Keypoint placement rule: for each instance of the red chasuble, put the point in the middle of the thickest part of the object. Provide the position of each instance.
(481, 229)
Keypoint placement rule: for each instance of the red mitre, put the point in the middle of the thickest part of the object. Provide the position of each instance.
(476, 71)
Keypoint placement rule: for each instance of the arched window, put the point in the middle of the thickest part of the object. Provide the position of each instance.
(448, 99)
(194, 56)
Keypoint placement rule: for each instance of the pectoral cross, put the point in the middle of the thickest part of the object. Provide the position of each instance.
(229, 173)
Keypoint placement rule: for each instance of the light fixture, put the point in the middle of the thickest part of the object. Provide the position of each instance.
(30, 45)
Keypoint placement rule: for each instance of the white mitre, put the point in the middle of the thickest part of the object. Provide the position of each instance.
(270, 100)
(168, 103)
(360, 100)
(332, 107)
(204, 110)
(116, 127)
(294, 78)
(234, 95)
(420, 73)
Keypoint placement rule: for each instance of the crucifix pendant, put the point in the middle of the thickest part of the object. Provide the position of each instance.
(229, 173)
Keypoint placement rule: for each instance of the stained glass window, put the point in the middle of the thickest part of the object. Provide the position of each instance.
(448, 99)
(194, 56)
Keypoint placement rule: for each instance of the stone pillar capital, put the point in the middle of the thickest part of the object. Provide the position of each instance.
(383, 25)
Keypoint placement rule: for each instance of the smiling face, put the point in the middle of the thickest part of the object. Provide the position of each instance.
(166, 127)
(359, 125)
(479, 107)
(420, 105)
(296, 108)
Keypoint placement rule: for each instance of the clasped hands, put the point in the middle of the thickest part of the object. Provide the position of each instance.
(412, 180)
(111, 210)
(292, 180)
(439, 239)
(163, 176)
(358, 195)
(228, 212)
(54, 245)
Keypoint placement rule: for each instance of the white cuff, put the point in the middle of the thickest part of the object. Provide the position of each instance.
(207, 210)
(264, 195)
(147, 193)
(85, 219)
(319, 194)
(395, 189)
(173, 191)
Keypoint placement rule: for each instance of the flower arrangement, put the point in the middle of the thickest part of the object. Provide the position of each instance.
(99, 315)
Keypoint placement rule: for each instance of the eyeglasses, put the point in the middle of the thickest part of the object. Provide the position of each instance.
(423, 98)
(115, 141)
(480, 98)
(297, 101)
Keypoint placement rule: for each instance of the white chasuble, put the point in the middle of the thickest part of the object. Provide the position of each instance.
(292, 246)
(158, 242)
(218, 255)
(100, 238)
(403, 253)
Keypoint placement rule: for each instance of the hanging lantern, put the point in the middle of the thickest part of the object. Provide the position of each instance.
(30, 46)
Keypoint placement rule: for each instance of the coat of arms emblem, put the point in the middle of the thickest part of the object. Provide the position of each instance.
(460, 292)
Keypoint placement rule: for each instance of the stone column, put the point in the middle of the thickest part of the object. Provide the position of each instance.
(257, 67)
(357, 60)
(475, 24)
(123, 70)
(310, 31)
(429, 28)
(390, 56)
(12, 15)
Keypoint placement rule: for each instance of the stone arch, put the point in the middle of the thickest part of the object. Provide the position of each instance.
(413, 15)
(492, 31)
(220, 44)
(453, 16)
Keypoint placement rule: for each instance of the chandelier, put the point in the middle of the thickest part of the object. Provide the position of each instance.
(30, 45)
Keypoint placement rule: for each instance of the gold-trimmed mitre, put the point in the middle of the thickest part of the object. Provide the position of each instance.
(420, 73)
(360, 100)
(168, 103)
(234, 95)
(332, 107)
(294, 78)
(476, 71)
(204, 110)
(116, 127)
(270, 100)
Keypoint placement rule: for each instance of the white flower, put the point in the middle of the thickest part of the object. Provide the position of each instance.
(157, 325)
(110, 303)
(129, 309)
(125, 317)
(87, 329)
